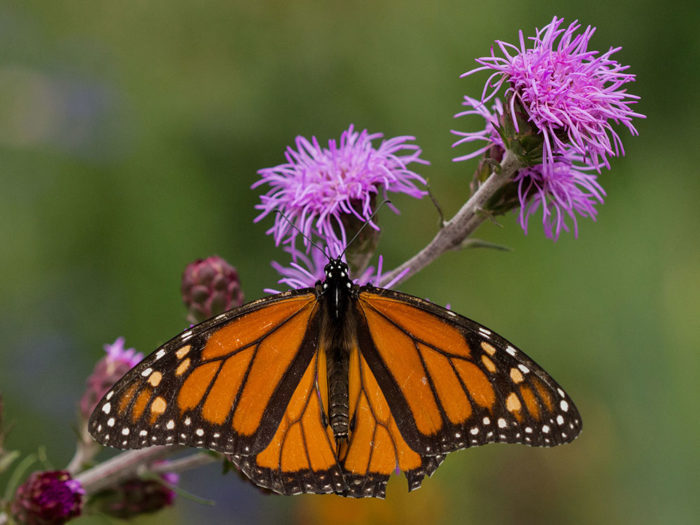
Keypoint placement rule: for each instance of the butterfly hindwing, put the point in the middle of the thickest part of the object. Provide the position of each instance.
(301, 457)
(224, 384)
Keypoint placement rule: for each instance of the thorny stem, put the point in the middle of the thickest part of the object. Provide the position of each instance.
(463, 224)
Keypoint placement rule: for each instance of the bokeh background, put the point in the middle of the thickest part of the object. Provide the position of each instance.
(130, 133)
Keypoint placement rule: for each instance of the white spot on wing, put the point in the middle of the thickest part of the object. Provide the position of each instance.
(106, 408)
(147, 372)
(160, 353)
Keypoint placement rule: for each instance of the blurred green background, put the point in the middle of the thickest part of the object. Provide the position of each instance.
(131, 131)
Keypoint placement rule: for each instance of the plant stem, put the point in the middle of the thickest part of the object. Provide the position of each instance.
(463, 224)
(121, 467)
(198, 459)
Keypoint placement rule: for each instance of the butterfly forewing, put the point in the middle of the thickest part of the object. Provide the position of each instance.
(223, 384)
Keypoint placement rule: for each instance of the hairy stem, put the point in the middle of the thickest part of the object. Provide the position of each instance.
(459, 227)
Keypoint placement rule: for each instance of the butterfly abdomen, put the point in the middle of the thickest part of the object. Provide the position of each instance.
(338, 362)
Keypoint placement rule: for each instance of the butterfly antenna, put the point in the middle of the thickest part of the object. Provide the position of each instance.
(367, 222)
(311, 241)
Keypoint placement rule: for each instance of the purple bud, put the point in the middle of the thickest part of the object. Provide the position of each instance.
(48, 498)
(135, 496)
(210, 287)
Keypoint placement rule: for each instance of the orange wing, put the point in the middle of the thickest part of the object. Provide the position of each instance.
(224, 384)
(446, 383)
(301, 457)
(376, 448)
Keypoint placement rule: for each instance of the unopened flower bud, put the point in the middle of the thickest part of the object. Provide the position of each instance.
(209, 287)
(134, 497)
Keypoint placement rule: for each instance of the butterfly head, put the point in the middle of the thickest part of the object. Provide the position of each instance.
(336, 270)
(337, 276)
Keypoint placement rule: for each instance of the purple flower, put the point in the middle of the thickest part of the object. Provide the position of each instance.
(318, 185)
(306, 270)
(48, 498)
(569, 187)
(571, 94)
(489, 134)
(108, 371)
(561, 192)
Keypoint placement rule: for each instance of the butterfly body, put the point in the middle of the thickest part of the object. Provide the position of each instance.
(334, 295)
(331, 389)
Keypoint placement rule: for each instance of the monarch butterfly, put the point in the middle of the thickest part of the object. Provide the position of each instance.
(333, 388)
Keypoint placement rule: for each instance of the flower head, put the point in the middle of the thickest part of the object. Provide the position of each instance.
(567, 189)
(209, 287)
(571, 94)
(318, 185)
(48, 498)
(108, 371)
(561, 192)
(306, 270)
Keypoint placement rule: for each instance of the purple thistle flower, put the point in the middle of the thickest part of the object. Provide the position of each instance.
(564, 190)
(306, 270)
(572, 95)
(48, 498)
(317, 185)
(108, 371)
(489, 134)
